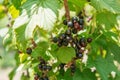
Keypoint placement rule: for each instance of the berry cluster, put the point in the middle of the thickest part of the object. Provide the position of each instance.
(72, 68)
(69, 37)
(44, 68)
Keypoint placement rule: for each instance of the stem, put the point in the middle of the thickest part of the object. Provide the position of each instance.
(67, 12)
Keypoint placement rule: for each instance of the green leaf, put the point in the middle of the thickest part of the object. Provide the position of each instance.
(105, 66)
(38, 12)
(77, 4)
(110, 5)
(40, 50)
(85, 75)
(115, 49)
(12, 73)
(19, 38)
(65, 54)
(64, 75)
(106, 19)
(23, 57)
(16, 3)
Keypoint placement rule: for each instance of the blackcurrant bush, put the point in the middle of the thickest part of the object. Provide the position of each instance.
(29, 50)
(70, 24)
(89, 40)
(74, 19)
(65, 22)
(81, 21)
(55, 39)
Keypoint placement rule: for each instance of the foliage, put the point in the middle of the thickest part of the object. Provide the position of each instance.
(34, 23)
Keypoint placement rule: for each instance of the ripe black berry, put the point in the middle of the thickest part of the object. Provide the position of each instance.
(40, 66)
(69, 39)
(36, 77)
(62, 36)
(65, 22)
(44, 67)
(49, 68)
(62, 65)
(89, 40)
(65, 43)
(59, 44)
(74, 31)
(28, 50)
(41, 78)
(46, 78)
(70, 24)
(81, 21)
(82, 42)
(73, 68)
(55, 39)
(68, 32)
(79, 55)
(74, 19)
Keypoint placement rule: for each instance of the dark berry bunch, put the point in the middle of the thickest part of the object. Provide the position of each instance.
(72, 67)
(69, 37)
(44, 68)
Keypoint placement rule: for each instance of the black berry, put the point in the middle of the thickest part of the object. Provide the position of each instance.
(65, 22)
(83, 42)
(44, 67)
(46, 78)
(36, 77)
(41, 78)
(89, 40)
(65, 43)
(70, 24)
(79, 55)
(62, 36)
(40, 66)
(81, 21)
(49, 68)
(55, 39)
(68, 32)
(28, 50)
(74, 19)
(62, 65)
(74, 31)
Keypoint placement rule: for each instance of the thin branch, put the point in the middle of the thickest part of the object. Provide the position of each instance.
(67, 12)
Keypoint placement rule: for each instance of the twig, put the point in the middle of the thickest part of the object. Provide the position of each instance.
(67, 12)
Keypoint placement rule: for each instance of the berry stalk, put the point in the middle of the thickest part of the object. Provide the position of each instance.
(67, 12)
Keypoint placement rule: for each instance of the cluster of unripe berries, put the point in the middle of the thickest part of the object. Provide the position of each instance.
(44, 68)
(69, 36)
